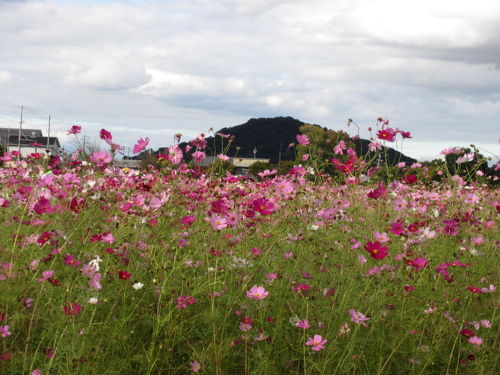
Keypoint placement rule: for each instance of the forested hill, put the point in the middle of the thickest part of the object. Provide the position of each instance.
(270, 137)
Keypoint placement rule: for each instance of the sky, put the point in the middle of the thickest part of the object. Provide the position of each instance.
(156, 68)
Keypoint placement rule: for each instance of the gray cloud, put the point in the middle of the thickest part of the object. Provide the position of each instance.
(431, 67)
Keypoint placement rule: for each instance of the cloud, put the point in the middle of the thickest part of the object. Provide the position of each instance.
(107, 75)
(431, 67)
(4, 76)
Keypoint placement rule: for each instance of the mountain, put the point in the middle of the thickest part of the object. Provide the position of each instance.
(270, 137)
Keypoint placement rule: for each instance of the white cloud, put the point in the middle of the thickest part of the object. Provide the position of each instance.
(5, 76)
(107, 75)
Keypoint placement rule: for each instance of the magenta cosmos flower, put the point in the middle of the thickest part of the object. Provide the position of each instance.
(142, 143)
(316, 343)
(376, 250)
(257, 292)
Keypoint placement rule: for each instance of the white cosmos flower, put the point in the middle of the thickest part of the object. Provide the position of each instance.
(137, 286)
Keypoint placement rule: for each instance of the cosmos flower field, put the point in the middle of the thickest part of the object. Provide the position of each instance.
(172, 271)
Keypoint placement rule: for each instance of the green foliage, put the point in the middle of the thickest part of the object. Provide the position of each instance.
(259, 166)
(150, 160)
(466, 169)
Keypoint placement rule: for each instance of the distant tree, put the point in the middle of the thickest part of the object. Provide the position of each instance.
(466, 163)
(259, 166)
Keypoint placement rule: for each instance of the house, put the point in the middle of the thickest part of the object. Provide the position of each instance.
(32, 141)
(127, 163)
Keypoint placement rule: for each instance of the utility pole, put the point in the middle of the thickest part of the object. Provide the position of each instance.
(20, 129)
(279, 155)
(84, 142)
(8, 139)
(48, 135)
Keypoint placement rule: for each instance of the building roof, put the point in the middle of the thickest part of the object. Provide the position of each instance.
(28, 136)
(53, 141)
(25, 133)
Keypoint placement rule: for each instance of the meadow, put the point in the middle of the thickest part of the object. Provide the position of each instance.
(175, 271)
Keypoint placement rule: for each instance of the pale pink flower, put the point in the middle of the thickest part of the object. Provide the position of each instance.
(101, 158)
(381, 237)
(174, 154)
(361, 259)
(303, 324)
(302, 139)
(46, 275)
(317, 343)
(195, 366)
(486, 323)
(477, 240)
(198, 156)
(474, 340)
(257, 292)
(374, 146)
(491, 289)
(358, 317)
(339, 148)
(223, 157)
(4, 331)
(218, 222)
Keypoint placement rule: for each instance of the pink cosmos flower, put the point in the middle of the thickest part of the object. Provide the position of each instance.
(4, 331)
(303, 324)
(263, 205)
(474, 340)
(376, 250)
(374, 146)
(174, 154)
(218, 222)
(141, 145)
(381, 237)
(358, 317)
(46, 275)
(267, 172)
(387, 134)
(195, 366)
(377, 193)
(75, 129)
(361, 259)
(418, 263)
(223, 157)
(246, 324)
(257, 292)
(302, 139)
(185, 301)
(72, 308)
(43, 206)
(486, 323)
(101, 158)
(316, 343)
(474, 289)
(198, 156)
(71, 261)
(339, 148)
(106, 136)
(188, 220)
